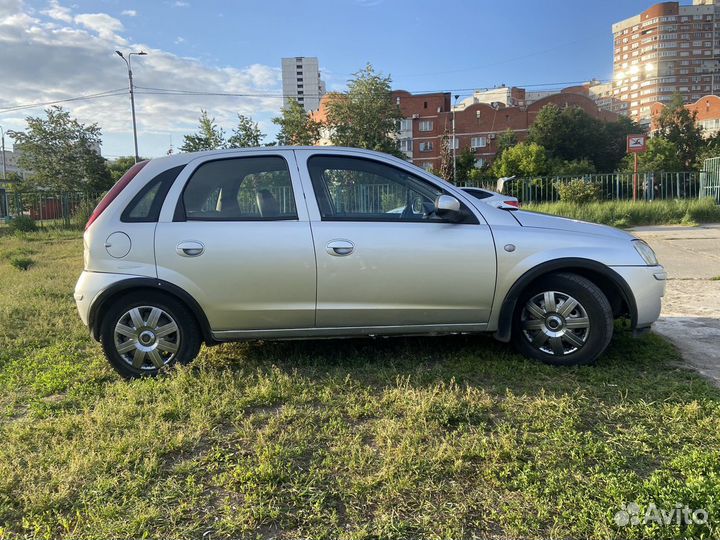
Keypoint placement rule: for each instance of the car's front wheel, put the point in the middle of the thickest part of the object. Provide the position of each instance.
(145, 332)
(563, 319)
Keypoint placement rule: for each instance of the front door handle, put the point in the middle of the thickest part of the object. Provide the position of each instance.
(190, 249)
(340, 248)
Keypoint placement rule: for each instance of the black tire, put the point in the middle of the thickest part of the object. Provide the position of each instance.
(583, 333)
(185, 339)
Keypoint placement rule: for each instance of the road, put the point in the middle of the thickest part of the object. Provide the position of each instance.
(691, 308)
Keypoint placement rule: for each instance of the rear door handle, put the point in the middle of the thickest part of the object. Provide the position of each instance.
(190, 249)
(340, 248)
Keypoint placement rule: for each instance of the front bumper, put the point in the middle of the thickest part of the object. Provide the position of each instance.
(648, 287)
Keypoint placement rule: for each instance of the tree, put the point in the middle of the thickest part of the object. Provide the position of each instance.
(446, 164)
(246, 134)
(570, 134)
(710, 149)
(506, 140)
(61, 153)
(119, 166)
(465, 162)
(209, 136)
(677, 124)
(661, 155)
(576, 167)
(366, 116)
(296, 126)
(613, 143)
(524, 159)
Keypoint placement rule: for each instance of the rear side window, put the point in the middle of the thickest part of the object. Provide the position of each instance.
(239, 189)
(145, 206)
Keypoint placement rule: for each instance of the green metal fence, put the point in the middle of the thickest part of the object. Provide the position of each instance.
(45, 207)
(710, 183)
(615, 186)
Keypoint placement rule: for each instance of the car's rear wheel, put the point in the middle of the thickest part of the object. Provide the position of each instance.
(143, 333)
(563, 319)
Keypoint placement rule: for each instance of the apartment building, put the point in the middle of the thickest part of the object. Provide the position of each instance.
(665, 49)
(706, 111)
(301, 81)
(478, 122)
(12, 167)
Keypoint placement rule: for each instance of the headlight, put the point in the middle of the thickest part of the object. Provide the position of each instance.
(646, 252)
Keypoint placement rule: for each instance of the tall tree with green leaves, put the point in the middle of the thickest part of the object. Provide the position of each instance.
(210, 136)
(507, 139)
(119, 166)
(465, 163)
(246, 134)
(571, 134)
(61, 153)
(524, 160)
(677, 124)
(661, 155)
(296, 126)
(446, 162)
(366, 116)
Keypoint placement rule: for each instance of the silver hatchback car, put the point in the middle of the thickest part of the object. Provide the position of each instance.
(284, 243)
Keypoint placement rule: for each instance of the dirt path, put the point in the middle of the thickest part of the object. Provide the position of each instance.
(691, 307)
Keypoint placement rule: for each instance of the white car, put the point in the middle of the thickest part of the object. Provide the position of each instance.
(302, 242)
(493, 198)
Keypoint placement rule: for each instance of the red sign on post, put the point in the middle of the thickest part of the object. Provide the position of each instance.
(636, 143)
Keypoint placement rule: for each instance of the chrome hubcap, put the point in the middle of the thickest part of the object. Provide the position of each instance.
(147, 337)
(555, 323)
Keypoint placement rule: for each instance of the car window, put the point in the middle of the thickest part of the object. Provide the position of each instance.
(145, 206)
(246, 188)
(349, 188)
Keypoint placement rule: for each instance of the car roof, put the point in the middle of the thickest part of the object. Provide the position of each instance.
(186, 157)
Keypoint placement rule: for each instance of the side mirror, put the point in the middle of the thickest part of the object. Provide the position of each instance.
(448, 207)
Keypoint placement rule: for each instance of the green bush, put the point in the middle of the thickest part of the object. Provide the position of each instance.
(21, 263)
(82, 212)
(630, 214)
(23, 224)
(578, 191)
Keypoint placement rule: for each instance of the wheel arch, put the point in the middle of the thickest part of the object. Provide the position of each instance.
(116, 290)
(613, 286)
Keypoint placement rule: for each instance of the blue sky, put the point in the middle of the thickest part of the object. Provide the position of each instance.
(52, 49)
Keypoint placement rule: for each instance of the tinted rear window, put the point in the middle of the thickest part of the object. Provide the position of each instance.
(145, 206)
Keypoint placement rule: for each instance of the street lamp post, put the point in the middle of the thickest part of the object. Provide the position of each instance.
(4, 170)
(454, 145)
(132, 95)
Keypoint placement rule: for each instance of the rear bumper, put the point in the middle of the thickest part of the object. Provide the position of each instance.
(88, 288)
(648, 287)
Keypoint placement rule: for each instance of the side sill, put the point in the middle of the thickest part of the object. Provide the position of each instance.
(349, 332)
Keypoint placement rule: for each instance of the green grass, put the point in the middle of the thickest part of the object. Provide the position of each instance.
(403, 438)
(630, 214)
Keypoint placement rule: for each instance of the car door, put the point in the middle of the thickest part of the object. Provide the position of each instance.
(382, 258)
(234, 233)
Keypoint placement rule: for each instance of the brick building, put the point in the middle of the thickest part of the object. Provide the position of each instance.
(427, 117)
(665, 49)
(707, 111)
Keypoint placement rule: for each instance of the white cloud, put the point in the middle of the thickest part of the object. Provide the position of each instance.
(106, 26)
(58, 12)
(45, 59)
(129, 13)
(180, 3)
(179, 40)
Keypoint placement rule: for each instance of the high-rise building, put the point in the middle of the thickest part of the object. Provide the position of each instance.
(301, 81)
(667, 48)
